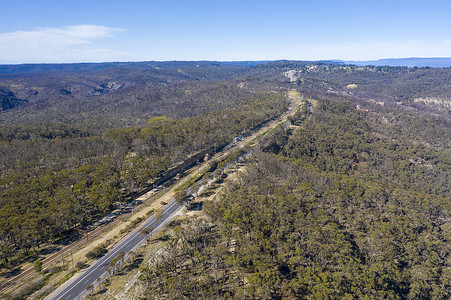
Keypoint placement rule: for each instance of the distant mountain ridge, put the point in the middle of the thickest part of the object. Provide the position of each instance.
(87, 67)
(434, 62)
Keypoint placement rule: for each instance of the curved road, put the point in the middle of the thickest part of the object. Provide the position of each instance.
(77, 289)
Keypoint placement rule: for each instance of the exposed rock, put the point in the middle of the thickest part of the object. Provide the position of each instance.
(439, 103)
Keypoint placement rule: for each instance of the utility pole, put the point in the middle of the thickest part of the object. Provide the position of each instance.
(73, 268)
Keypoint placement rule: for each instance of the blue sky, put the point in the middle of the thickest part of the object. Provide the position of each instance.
(96, 30)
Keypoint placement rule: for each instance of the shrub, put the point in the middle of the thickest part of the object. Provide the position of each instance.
(38, 266)
(97, 252)
(80, 265)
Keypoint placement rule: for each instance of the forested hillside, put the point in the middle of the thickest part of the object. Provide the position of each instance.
(71, 153)
(349, 199)
(8, 100)
(415, 88)
(333, 209)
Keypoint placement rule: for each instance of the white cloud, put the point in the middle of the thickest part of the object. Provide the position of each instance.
(92, 43)
(63, 44)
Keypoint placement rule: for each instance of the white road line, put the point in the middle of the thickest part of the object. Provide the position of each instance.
(113, 252)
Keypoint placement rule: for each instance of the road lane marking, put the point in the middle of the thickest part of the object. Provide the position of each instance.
(109, 255)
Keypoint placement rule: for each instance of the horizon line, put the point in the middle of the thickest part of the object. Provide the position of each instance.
(223, 61)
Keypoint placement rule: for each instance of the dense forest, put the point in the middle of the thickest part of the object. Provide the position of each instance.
(66, 161)
(329, 209)
(349, 200)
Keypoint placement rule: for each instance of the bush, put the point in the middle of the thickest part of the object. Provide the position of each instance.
(80, 265)
(54, 270)
(97, 252)
(38, 266)
(132, 224)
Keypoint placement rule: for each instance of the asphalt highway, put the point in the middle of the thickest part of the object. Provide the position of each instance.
(77, 288)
